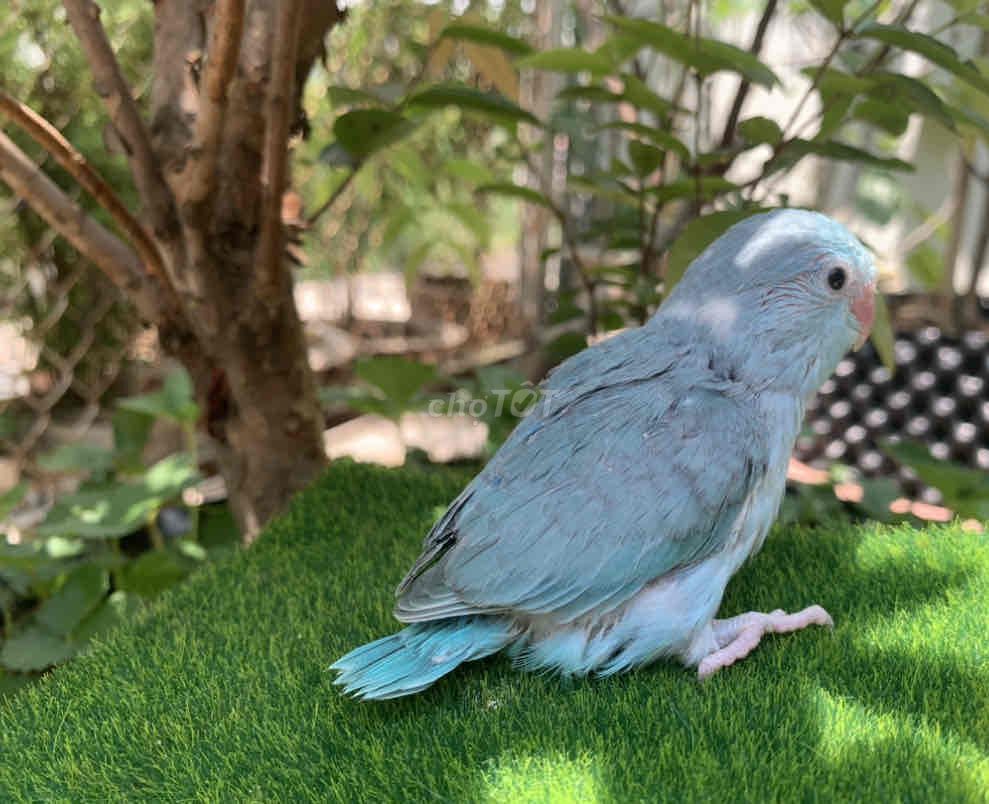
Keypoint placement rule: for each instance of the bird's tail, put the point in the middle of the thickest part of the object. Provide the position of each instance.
(415, 657)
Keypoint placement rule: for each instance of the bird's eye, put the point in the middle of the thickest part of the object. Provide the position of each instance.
(836, 278)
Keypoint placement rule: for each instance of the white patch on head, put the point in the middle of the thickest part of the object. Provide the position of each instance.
(761, 241)
(720, 315)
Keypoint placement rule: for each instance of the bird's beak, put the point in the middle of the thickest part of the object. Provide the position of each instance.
(864, 310)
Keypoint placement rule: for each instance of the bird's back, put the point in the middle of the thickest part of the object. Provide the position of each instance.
(637, 461)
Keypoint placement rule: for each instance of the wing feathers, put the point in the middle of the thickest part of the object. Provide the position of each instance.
(625, 474)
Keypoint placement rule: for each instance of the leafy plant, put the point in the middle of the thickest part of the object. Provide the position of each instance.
(965, 491)
(391, 386)
(628, 226)
(498, 396)
(80, 572)
(819, 504)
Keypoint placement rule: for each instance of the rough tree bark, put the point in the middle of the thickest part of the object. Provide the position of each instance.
(204, 260)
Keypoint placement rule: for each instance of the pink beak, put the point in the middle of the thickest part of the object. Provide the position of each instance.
(864, 309)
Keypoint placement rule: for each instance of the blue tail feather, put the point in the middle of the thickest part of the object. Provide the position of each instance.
(415, 657)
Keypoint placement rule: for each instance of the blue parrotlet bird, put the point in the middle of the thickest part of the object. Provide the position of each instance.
(601, 536)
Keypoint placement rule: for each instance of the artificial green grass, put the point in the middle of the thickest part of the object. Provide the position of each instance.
(221, 691)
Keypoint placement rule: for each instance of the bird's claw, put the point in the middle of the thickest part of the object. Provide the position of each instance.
(740, 635)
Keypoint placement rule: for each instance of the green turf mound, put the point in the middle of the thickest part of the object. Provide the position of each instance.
(221, 692)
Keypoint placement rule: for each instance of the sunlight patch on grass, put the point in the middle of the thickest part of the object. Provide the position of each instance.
(547, 780)
(851, 731)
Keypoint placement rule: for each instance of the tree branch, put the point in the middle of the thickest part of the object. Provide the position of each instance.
(337, 192)
(743, 88)
(75, 164)
(110, 254)
(269, 260)
(221, 64)
(84, 16)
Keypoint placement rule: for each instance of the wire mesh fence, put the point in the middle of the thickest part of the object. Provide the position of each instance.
(65, 336)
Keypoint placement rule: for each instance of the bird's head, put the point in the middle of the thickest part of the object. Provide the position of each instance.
(786, 294)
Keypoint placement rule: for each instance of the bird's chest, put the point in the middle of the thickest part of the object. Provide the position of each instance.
(782, 420)
(756, 518)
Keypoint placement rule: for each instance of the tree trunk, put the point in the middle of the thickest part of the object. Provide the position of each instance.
(205, 260)
(259, 391)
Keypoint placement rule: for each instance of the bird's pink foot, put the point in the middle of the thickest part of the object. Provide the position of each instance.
(738, 636)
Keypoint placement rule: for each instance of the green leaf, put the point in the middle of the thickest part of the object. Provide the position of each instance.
(971, 120)
(891, 118)
(934, 50)
(976, 20)
(696, 237)
(604, 186)
(192, 550)
(101, 513)
(336, 156)
(624, 276)
(399, 380)
(30, 559)
(835, 115)
(116, 509)
(658, 137)
(882, 335)
(408, 163)
(472, 219)
(639, 95)
(797, 149)
(707, 187)
(610, 320)
(468, 170)
(567, 344)
(398, 221)
(832, 10)
(589, 92)
(82, 591)
(645, 158)
(706, 56)
(347, 96)
(837, 82)
(11, 422)
(908, 94)
(60, 547)
(876, 498)
(759, 130)
(565, 311)
(11, 498)
(926, 265)
(491, 379)
(635, 92)
(619, 48)
(568, 60)
(180, 396)
(35, 649)
(131, 430)
(76, 458)
(117, 609)
(966, 491)
(218, 528)
(174, 401)
(487, 104)
(12, 682)
(152, 573)
(480, 35)
(362, 132)
(171, 476)
(510, 190)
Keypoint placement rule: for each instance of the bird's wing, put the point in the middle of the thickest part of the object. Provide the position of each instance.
(632, 468)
